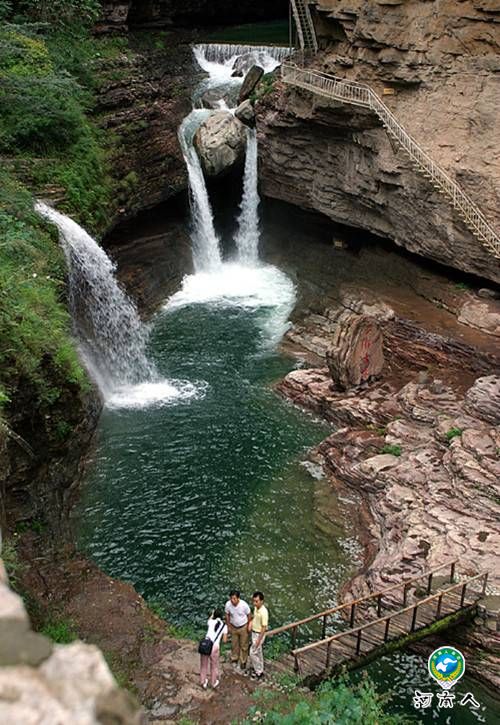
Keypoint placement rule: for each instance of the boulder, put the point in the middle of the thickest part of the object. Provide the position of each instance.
(483, 399)
(483, 314)
(213, 97)
(356, 354)
(245, 113)
(220, 142)
(252, 78)
(244, 62)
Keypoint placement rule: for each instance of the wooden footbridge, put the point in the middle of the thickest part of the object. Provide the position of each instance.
(376, 623)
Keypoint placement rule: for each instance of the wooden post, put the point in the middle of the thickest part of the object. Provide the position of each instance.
(414, 618)
(452, 573)
(328, 653)
(429, 584)
(405, 594)
(323, 634)
(295, 663)
(462, 598)
(353, 614)
(379, 605)
(386, 633)
(485, 579)
(358, 643)
(294, 637)
(438, 610)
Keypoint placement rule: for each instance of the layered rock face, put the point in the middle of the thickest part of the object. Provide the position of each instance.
(436, 67)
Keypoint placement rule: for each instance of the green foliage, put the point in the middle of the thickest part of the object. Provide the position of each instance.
(157, 608)
(34, 325)
(12, 563)
(58, 12)
(276, 647)
(62, 631)
(462, 286)
(394, 450)
(264, 87)
(334, 703)
(453, 433)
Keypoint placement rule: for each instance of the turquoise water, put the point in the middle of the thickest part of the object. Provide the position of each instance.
(188, 499)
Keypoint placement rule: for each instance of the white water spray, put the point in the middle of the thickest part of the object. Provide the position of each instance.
(206, 252)
(111, 336)
(247, 237)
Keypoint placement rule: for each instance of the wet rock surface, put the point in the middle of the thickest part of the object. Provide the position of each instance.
(250, 82)
(220, 142)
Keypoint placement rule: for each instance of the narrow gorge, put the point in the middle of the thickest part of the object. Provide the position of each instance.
(247, 344)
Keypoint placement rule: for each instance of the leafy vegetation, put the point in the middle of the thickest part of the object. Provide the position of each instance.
(394, 450)
(48, 62)
(334, 703)
(62, 631)
(13, 565)
(453, 433)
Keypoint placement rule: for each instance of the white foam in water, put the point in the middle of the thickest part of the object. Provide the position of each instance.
(238, 285)
(164, 392)
(112, 338)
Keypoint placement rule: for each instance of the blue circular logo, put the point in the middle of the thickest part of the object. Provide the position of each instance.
(446, 665)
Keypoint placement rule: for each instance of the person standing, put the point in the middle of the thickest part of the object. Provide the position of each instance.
(238, 620)
(216, 630)
(258, 627)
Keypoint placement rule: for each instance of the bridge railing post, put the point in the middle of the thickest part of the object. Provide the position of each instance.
(462, 598)
(328, 654)
(294, 637)
(452, 573)
(353, 615)
(386, 631)
(429, 584)
(414, 618)
(438, 609)
(485, 579)
(358, 642)
(323, 630)
(379, 605)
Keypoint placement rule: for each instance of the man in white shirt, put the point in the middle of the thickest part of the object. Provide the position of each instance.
(238, 619)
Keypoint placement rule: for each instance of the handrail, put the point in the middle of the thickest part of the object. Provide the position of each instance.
(359, 94)
(405, 584)
(367, 625)
(305, 25)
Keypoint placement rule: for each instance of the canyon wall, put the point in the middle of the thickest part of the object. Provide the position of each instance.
(437, 66)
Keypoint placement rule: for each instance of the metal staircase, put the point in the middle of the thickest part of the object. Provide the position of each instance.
(359, 94)
(305, 25)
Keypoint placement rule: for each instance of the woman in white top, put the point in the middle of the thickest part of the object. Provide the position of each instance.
(216, 631)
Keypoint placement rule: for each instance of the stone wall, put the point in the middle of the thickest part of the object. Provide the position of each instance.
(436, 66)
(44, 682)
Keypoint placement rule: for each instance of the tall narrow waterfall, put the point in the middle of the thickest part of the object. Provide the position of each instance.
(111, 334)
(206, 252)
(247, 237)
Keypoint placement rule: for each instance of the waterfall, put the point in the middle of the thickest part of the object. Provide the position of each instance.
(222, 52)
(111, 335)
(206, 253)
(247, 237)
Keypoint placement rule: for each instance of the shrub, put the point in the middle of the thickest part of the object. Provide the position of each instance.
(394, 450)
(453, 433)
(58, 12)
(62, 631)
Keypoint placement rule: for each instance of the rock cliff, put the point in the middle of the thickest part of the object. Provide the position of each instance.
(43, 682)
(436, 65)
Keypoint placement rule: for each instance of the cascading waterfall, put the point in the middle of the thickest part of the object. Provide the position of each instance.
(222, 52)
(111, 336)
(206, 252)
(247, 237)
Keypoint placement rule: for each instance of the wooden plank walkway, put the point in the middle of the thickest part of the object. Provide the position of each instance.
(370, 623)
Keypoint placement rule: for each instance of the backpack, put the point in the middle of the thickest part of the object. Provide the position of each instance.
(206, 645)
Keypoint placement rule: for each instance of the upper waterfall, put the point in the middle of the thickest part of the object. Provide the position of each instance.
(111, 336)
(247, 237)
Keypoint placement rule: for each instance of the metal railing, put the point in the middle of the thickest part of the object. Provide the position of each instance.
(359, 94)
(304, 24)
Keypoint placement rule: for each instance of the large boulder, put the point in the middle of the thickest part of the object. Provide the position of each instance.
(245, 113)
(220, 142)
(248, 86)
(356, 354)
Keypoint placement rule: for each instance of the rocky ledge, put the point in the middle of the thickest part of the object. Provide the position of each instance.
(420, 443)
(436, 67)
